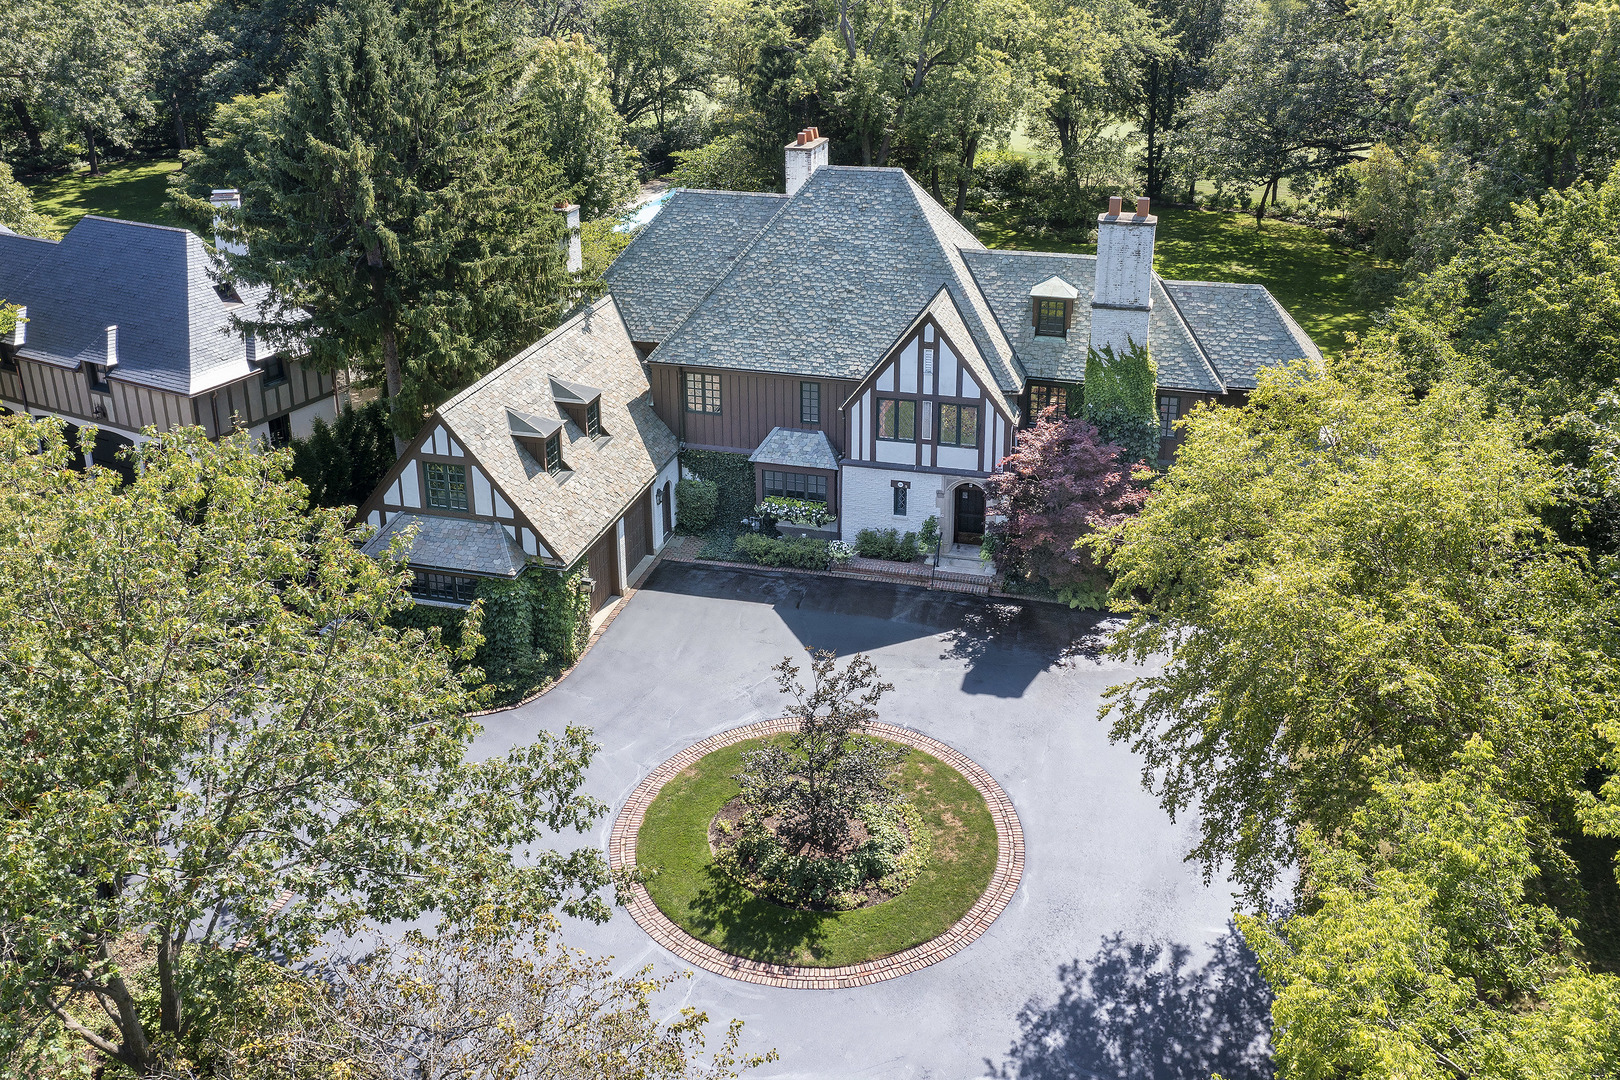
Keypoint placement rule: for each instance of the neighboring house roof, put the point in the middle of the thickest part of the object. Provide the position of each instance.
(802, 449)
(1008, 278)
(1241, 328)
(151, 281)
(571, 509)
(679, 255)
(834, 281)
(452, 543)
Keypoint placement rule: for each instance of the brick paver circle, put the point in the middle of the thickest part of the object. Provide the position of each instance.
(997, 895)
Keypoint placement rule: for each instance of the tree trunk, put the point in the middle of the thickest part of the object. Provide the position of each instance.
(179, 126)
(1153, 176)
(866, 148)
(964, 176)
(933, 183)
(25, 120)
(90, 145)
(168, 992)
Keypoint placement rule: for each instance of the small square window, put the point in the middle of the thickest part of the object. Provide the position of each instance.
(273, 371)
(1051, 318)
(446, 485)
(1169, 411)
(702, 393)
(897, 420)
(809, 403)
(900, 500)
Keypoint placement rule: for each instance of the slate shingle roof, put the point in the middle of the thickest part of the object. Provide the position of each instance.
(1241, 328)
(787, 446)
(834, 280)
(571, 509)
(151, 281)
(679, 255)
(1007, 277)
(448, 543)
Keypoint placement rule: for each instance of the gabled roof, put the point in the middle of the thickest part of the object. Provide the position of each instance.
(151, 281)
(1055, 288)
(833, 282)
(572, 508)
(1008, 279)
(1241, 328)
(679, 255)
(803, 449)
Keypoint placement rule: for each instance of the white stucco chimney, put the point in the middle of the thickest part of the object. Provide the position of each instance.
(112, 346)
(576, 252)
(225, 199)
(1122, 297)
(19, 333)
(805, 154)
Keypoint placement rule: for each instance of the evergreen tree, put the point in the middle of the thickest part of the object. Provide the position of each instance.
(401, 213)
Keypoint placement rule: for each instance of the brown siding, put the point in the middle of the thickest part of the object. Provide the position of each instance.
(751, 404)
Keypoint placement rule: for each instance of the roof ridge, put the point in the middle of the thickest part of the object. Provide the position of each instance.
(1076, 255)
(507, 366)
(126, 221)
(726, 191)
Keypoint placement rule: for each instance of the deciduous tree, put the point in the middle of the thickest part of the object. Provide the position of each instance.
(202, 703)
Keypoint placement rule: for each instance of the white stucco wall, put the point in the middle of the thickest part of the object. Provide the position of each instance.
(302, 420)
(866, 500)
(672, 476)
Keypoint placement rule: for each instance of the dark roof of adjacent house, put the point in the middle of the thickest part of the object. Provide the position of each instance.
(833, 281)
(600, 476)
(801, 449)
(452, 543)
(1241, 328)
(671, 267)
(1007, 278)
(151, 281)
(825, 282)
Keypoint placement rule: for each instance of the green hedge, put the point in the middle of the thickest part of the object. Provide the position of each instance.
(805, 553)
(733, 477)
(535, 626)
(698, 500)
(888, 544)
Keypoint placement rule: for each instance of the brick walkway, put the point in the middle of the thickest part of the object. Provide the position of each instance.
(999, 893)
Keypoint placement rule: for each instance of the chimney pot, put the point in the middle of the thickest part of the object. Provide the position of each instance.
(815, 133)
(1142, 207)
(1114, 205)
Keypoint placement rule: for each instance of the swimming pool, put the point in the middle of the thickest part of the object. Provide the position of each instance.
(645, 212)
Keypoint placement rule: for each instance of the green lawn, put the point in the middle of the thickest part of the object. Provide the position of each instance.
(133, 191)
(1310, 273)
(673, 845)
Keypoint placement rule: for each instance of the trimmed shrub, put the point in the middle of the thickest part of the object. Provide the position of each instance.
(698, 500)
(733, 475)
(802, 554)
(887, 544)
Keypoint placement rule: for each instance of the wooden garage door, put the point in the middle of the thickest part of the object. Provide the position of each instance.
(638, 529)
(602, 564)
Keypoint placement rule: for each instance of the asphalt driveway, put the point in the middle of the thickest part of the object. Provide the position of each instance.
(1113, 960)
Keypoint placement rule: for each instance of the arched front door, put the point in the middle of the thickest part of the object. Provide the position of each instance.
(969, 515)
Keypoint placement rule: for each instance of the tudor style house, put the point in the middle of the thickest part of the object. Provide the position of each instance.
(125, 326)
(556, 456)
(866, 350)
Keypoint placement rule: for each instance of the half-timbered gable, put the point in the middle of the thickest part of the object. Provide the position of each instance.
(557, 456)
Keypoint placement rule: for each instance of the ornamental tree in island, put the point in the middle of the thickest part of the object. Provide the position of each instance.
(202, 703)
(1061, 483)
(828, 770)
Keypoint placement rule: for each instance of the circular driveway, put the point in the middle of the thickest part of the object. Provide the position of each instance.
(1113, 958)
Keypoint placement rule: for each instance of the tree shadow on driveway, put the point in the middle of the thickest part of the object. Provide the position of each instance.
(1139, 1011)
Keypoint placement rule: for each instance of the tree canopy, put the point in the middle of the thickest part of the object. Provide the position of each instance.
(204, 705)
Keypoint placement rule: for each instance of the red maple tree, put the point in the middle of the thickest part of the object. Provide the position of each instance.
(1061, 482)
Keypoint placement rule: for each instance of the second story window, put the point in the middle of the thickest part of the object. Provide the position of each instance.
(1049, 318)
(446, 485)
(593, 419)
(273, 371)
(97, 374)
(809, 403)
(1169, 411)
(897, 420)
(958, 425)
(702, 393)
(1042, 397)
(554, 453)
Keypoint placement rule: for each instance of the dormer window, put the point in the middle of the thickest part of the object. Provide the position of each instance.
(582, 404)
(273, 371)
(97, 374)
(593, 419)
(553, 459)
(1052, 307)
(540, 436)
(227, 293)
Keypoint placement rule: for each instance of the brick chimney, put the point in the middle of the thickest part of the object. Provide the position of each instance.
(225, 199)
(576, 254)
(1121, 298)
(805, 154)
